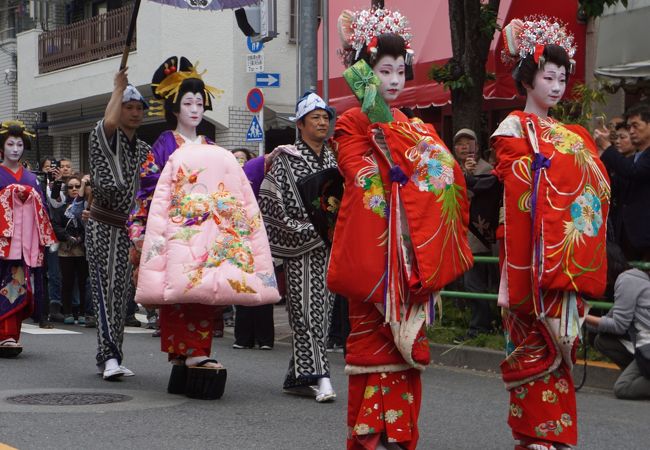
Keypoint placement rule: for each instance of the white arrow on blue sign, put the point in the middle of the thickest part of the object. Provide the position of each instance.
(254, 47)
(255, 133)
(267, 80)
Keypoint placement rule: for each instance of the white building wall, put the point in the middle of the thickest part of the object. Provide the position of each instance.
(210, 37)
(234, 136)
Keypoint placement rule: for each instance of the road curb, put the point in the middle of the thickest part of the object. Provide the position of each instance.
(488, 360)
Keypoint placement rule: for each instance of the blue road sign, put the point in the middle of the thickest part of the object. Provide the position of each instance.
(255, 100)
(267, 80)
(254, 47)
(255, 133)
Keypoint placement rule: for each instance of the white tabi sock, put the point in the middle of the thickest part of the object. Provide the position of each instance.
(325, 385)
(111, 364)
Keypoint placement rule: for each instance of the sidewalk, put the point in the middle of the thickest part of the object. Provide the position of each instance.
(600, 375)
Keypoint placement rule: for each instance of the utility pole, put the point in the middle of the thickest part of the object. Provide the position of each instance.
(308, 42)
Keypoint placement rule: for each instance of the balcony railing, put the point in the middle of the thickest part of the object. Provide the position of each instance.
(84, 41)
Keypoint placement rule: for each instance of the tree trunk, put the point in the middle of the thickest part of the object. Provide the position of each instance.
(470, 45)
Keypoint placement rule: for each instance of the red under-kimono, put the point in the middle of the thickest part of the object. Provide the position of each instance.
(556, 201)
(403, 214)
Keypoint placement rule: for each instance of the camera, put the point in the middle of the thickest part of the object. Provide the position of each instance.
(54, 164)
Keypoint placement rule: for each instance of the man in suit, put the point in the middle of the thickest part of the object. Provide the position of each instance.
(635, 172)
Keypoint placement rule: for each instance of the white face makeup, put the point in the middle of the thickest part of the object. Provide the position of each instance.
(13, 150)
(191, 110)
(391, 72)
(550, 84)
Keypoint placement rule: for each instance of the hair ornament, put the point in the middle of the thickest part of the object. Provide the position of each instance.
(15, 127)
(372, 48)
(529, 37)
(360, 28)
(170, 85)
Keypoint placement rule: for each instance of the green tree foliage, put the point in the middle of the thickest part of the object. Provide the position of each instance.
(472, 25)
(595, 8)
(579, 107)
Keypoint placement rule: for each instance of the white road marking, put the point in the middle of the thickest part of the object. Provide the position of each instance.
(136, 330)
(34, 329)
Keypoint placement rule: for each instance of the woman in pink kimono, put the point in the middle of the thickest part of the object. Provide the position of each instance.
(205, 226)
(25, 230)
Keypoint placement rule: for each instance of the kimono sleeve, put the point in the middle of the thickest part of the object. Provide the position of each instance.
(352, 141)
(507, 142)
(150, 171)
(101, 148)
(288, 237)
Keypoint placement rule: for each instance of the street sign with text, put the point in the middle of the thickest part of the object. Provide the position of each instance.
(255, 63)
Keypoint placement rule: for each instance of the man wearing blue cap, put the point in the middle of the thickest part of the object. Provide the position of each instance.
(116, 155)
(294, 239)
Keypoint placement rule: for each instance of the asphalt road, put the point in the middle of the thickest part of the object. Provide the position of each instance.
(462, 409)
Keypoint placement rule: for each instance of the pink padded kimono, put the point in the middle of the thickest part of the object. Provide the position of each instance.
(205, 241)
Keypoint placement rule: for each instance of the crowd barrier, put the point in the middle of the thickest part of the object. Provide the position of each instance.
(606, 305)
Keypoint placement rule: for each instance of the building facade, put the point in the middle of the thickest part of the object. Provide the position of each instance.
(65, 71)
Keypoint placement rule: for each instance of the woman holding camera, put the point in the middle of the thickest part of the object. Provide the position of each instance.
(69, 231)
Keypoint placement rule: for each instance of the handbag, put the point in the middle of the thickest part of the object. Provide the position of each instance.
(321, 193)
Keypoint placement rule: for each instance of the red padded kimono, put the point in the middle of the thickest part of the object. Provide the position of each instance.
(400, 236)
(556, 201)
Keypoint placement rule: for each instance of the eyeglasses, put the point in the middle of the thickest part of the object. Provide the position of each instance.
(74, 186)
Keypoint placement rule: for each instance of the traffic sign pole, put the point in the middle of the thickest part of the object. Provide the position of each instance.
(260, 149)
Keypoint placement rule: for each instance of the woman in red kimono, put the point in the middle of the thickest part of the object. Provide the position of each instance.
(404, 189)
(556, 198)
(25, 230)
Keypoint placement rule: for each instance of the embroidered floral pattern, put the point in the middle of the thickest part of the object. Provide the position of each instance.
(516, 410)
(549, 397)
(392, 415)
(363, 428)
(185, 234)
(550, 426)
(386, 407)
(373, 197)
(521, 392)
(370, 391)
(434, 172)
(565, 420)
(562, 386)
(435, 168)
(149, 166)
(232, 249)
(586, 214)
(190, 207)
(368, 179)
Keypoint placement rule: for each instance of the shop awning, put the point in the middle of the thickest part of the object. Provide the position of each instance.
(432, 44)
(623, 50)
